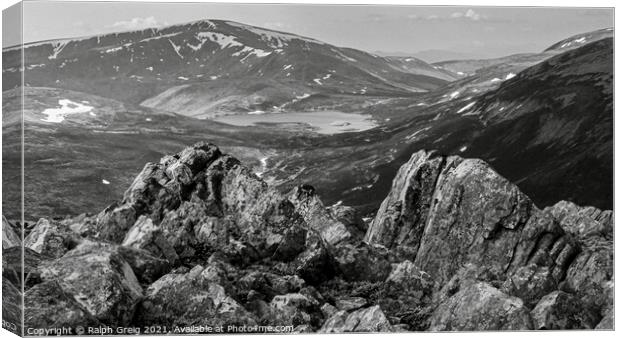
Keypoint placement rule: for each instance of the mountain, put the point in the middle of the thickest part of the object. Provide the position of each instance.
(212, 67)
(198, 239)
(541, 127)
(472, 66)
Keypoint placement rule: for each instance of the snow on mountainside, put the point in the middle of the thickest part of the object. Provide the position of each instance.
(271, 67)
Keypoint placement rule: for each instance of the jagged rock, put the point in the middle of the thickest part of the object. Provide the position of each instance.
(362, 262)
(402, 216)
(562, 311)
(350, 303)
(590, 275)
(328, 310)
(370, 319)
(51, 239)
(314, 265)
(11, 307)
(582, 221)
(146, 267)
(99, 279)
(190, 298)
(409, 283)
(9, 237)
(61, 309)
(479, 306)
(12, 267)
(530, 283)
(316, 216)
(294, 309)
(350, 217)
(146, 236)
(607, 323)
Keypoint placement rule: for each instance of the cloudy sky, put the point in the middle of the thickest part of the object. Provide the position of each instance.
(475, 31)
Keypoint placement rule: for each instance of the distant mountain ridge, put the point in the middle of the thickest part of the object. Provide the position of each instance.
(241, 67)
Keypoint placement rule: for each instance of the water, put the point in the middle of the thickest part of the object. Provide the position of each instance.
(322, 122)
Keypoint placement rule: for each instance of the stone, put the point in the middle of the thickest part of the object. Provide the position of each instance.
(144, 235)
(99, 279)
(607, 323)
(47, 305)
(362, 262)
(9, 236)
(562, 311)
(583, 221)
(51, 239)
(480, 307)
(350, 303)
(190, 299)
(310, 207)
(409, 283)
(370, 319)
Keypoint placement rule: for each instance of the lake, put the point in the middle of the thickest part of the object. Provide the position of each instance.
(322, 122)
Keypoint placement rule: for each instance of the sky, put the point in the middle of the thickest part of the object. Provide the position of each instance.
(475, 31)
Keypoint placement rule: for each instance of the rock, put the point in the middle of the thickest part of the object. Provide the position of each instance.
(350, 303)
(61, 310)
(314, 265)
(294, 309)
(111, 224)
(408, 283)
(13, 268)
(590, 275)
(530, 283)
(402, 216)
(328, 310)
(11, 307)
(362, 262)
(351, 219)
(51, 239)
(562, 311)
(9, 237)
(146, 267)
(190, 298)
(370, 319)
(607, 323)
(99, 279)
(480, 307)
(145, 235)
(316, 216)
(583, 221)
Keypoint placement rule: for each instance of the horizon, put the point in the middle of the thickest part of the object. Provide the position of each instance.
(477, 32)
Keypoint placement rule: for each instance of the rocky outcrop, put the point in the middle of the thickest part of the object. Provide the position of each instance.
(452, 213)
(198, 239)
(480, 306)
(560, 310)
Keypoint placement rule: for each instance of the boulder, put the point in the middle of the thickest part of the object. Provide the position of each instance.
(562, 311)
(9, 236)
(350, 303)
(370, 319)
(51, 239)
(60, 310)
(362, 262)
(402, 216)
(310, 207)
(350, 217)
(479, 307)
(13, 267)
(583, 221)
(145, 235)
(607, 323)
(99, 279)
(410, 284)
(190, 298)
(294, 309)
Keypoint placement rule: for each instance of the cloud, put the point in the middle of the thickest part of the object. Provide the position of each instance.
(138, 23)
(469, 14)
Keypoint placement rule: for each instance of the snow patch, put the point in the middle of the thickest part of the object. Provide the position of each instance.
(466, 107)
(67, 107)
(106, 182)
(510, 76)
